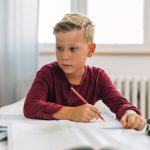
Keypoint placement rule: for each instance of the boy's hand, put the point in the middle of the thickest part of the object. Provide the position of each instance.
(132, 120)
(85, 113)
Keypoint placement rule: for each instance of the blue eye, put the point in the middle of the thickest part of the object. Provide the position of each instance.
(59, 49)
(73, 49)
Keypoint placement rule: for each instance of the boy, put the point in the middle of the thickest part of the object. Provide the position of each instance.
(50, 96)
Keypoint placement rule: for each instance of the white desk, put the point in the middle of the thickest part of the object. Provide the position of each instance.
(49, 133)
(29, 133)
(3, 145)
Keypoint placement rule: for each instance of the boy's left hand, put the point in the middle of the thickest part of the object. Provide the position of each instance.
(132, 120)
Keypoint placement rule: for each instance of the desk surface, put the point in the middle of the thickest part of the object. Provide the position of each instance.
(63, 134)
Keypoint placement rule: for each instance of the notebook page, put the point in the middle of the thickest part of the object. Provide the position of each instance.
(56, 136)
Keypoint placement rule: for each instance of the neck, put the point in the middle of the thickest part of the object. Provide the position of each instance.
(75, 78)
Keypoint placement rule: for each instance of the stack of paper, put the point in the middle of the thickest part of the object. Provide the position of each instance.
(3, 133)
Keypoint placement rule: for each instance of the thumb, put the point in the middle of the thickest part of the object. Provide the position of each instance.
(124, 120)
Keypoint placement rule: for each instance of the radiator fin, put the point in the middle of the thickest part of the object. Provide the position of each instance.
(136, 90)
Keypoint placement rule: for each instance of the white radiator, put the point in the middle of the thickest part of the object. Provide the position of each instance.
(136, 90)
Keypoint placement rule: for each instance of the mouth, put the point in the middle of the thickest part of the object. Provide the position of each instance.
(66, 66)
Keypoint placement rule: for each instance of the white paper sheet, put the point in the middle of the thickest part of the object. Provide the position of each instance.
(64, 135)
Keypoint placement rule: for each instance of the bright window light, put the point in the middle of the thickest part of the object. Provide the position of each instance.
(50, 12)
(117, 21)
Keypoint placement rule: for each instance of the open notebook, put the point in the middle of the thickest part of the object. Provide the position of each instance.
(68, 135)
(56, 135)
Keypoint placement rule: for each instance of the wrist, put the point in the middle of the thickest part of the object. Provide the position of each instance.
(64, 113)
(127, 112)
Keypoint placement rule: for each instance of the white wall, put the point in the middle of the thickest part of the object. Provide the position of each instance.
(113, 65)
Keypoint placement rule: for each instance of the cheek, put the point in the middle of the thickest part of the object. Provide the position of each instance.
(57, 56)
(84, 55)
(81, 59)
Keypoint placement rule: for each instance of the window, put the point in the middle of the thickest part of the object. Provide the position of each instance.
(117, 21)
(119, 24)
(51, 12)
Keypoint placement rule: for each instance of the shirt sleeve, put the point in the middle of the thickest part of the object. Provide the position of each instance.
(36, 105)
(113, 99)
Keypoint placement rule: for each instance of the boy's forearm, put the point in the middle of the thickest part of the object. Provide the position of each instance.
(65, 113)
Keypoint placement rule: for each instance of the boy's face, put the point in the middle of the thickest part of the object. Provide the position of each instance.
(71, 51)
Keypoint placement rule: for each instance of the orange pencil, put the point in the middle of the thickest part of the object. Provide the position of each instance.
(83, 99)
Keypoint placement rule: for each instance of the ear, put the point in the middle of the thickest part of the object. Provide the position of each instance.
(91, 49)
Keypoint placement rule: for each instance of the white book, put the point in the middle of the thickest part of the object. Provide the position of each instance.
(55, 135)
(32, 134)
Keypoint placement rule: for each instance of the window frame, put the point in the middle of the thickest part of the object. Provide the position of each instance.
(107, 49)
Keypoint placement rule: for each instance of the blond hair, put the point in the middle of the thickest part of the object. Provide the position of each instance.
(74, 21)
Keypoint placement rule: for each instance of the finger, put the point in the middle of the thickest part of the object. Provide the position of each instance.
(124, 121)
(130, 120)
(93, 115)
(86, 120)
(89, 118)
(95, 109)
(141, 125)
(137, 124)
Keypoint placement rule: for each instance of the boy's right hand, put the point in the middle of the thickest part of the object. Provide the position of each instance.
(83, 113)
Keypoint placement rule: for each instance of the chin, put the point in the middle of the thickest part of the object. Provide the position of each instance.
(68, 71)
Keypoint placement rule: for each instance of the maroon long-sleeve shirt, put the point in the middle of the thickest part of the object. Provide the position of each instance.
(50, 91)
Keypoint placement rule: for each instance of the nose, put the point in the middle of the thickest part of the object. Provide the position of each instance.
(65, 55)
